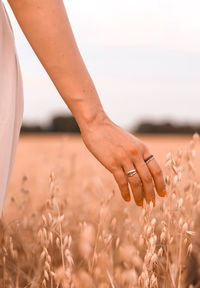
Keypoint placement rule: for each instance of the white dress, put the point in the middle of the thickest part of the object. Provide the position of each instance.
(11, 102)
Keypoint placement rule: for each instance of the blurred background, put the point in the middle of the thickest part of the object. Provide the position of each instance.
(143, 56)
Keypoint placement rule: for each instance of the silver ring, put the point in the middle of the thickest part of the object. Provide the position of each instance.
(131, 173)
(151, 157)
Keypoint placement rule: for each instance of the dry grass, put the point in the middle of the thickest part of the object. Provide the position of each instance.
(90, 238)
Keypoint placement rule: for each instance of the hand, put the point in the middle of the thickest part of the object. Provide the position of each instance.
(119, 151)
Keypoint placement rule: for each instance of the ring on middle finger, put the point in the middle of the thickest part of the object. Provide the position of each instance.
(131, 173)
(148, 159)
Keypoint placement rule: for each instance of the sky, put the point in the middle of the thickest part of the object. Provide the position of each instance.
(143, 56)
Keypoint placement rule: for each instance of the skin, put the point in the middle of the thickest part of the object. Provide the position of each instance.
(47, 28)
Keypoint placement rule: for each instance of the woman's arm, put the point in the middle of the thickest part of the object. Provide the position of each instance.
(46, 26)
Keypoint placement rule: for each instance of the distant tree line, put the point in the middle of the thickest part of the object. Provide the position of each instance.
(58, 124)
(164, 128)
(68, 124)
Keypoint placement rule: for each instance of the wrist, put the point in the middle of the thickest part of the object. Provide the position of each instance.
(89, 123)
(86, 107)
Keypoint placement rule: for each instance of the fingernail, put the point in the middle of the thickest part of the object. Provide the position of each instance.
(154, 204)
(163, 193)
(128, 198)
(140, 203)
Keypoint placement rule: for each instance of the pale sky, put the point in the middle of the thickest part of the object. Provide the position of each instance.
(143, 56)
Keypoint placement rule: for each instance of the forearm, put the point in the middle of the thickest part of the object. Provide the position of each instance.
(46, 26)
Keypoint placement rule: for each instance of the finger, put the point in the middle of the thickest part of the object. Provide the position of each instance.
(146, 178)
(135, 184)
(157, 175)
(122, 182)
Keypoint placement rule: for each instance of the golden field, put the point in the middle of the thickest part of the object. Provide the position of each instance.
(65, 223)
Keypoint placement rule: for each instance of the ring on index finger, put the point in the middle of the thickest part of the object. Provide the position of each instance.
(131, 173)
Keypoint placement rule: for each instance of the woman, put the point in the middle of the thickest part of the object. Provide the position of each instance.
(46, 26)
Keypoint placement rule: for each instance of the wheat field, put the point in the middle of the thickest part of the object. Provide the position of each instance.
(65, 223)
